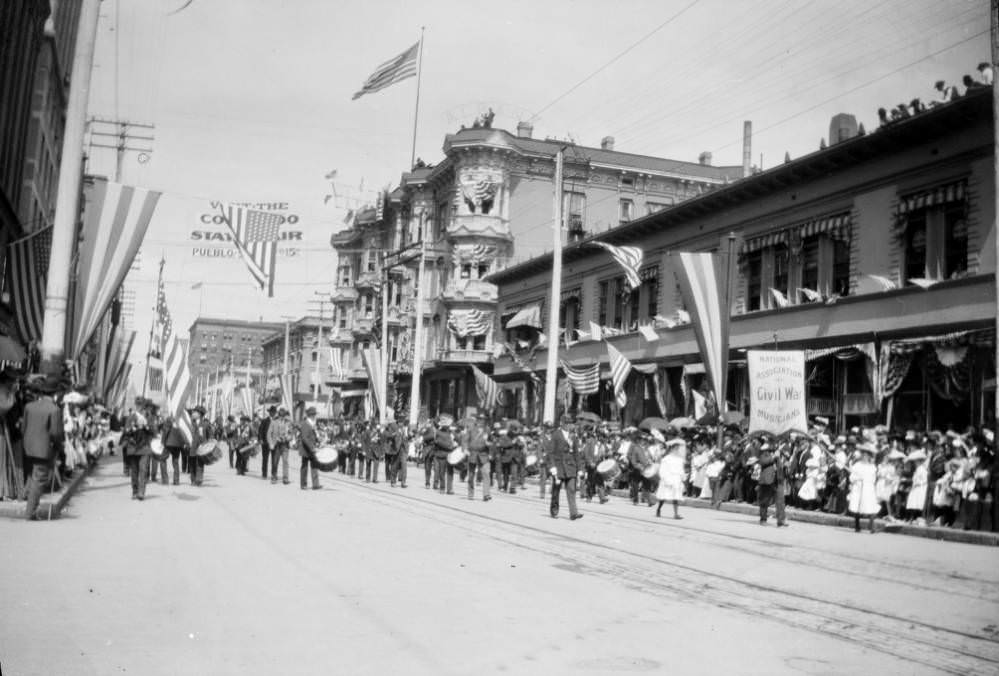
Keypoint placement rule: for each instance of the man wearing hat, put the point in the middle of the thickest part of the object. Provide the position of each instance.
(43, 433)
(265, 447)
(310, 443)
(769, 488)
(278, 438)
(479, 459)
(564, 462)
(443, 443)
(195, 464)
(175, 443)
(139, 430)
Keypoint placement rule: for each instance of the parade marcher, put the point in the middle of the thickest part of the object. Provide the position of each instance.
(392, 443)
(42, 435)
(427, 455)
(592, 455)
(771, 470)
(279, 438)
(671, 474)
(245, 438)
(195, 465)
(479, 460)
(863, 497)
(564, 462)
(309, 445)
(174, 445)
(139, 430)
(443, 444)
(544, 456)
(265, 447)
(230, 430)
(158, 465)
(638, 460)
(506, 450)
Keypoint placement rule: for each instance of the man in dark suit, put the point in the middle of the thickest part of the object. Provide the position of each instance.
(198, 435)
(265, 447)
(564, 464)
(139, 430)
(43, 435)
(175, 445)
(310, 443)
(479, 459)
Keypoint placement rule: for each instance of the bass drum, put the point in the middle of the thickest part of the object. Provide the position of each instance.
(609, 470)
(651, 471)
(159, 452)
(457, 456)
(326, 458)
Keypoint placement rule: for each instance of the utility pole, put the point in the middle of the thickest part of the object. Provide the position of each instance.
(319, 343)
(52, 346)
(418, 337)
(994, 23)
(384, 356)
(551, 372)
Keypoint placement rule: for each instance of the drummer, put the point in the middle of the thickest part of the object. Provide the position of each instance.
(245, 437)
(638, 460)
(195, 464)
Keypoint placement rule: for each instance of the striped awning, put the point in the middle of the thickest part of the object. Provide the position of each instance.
(570, 294)
(837, 226)
(944, 194)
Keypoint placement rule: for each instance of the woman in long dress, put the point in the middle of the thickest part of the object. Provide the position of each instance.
(916, 499)
(671, 476)
(863, 497)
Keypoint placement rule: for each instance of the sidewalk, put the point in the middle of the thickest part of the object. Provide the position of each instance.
(51, 505)
(973, 537)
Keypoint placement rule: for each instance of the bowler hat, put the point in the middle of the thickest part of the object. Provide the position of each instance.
(311, 411)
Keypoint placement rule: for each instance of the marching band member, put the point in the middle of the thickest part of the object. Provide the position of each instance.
(479, 460)
(307, 449)
(139, 430)
(443, 444)
(564, 460)
(278, 439)
(195, 465)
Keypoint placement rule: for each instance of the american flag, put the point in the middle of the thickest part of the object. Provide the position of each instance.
(336, 363)
(29, 267)
(164, 328)
(620, 368)
(255, 234)
(394, 70)
(178, 374)
(585, 380)
(629, 258)
(486, 389)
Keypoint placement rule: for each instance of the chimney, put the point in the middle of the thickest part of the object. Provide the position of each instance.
(525, 129)
(705, 158)
(842, 127)
(747, 147)
(607, 143)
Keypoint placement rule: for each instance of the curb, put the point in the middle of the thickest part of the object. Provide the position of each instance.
(50, 506)
(971, 537)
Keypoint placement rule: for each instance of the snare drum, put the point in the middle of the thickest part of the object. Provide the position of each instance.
(159, 452)
(651, 471)
(457, 456)
(326, 458)
(531, 460)
(609, 470)
(209, 452)
(251, 450)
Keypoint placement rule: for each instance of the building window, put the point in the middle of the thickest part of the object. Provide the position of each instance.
(782, 264)
(369, 306)
(603, 298)
(934, 234)
(915, 246)
(315, 356)
(810, 263)
(754, 280)
(466, 271)
(619, 294)
(574, 205)
(626, 211)
(343, 274)
(483, 270)
(955, 242)
(650, 288)
(569, 312)
(841, 267)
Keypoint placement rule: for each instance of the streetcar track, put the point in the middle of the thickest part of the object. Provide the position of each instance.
(912, 640)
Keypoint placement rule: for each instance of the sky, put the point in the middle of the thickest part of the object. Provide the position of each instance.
(251, 101)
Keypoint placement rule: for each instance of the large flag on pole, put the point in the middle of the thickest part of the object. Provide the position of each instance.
(29, 267)
(629, 258)
(115, 221)
(373, 364)
(255, 234)
(396, 69)
(178, 374)
(620, 367)
(703, 278)
(585, 380)
(486, 389)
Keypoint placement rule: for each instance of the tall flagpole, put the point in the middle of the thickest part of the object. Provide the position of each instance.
(152, 327)
(416, 114)
(384, 356)
(551, 372)
(418, 349)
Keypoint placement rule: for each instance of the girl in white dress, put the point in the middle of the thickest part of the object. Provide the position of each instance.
(863, 497)
(671, 476)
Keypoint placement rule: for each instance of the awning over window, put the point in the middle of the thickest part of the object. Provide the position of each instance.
(529, 316)
(837, 226)
(570, 294)
(944, 194)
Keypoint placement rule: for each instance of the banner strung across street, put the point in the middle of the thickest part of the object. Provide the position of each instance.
(776, 391)
(215, 241)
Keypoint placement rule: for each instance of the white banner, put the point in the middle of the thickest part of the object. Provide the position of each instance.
(776, 391)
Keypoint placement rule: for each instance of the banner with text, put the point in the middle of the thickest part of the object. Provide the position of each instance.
(212, 239)
(777, 391)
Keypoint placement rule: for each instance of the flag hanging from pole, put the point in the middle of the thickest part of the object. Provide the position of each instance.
(620, 367)
(29, 267)
(255, 234)
(486, 389)
(115, 221)
(629, 258)
(702, 278)
(394, 70)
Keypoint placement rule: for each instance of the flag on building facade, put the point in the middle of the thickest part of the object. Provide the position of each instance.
(178, 380)
(486, 389)
(336, 363)
(620, 367)
(585, 380)
(373, 364)
(115, 221)
(702, 278)
(29, 267)
(396, 69)
(629, 258)
(255, 234)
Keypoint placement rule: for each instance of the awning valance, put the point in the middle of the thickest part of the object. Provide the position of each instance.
(529, 316)
(837, 226)
(570, 294)
(943, 194)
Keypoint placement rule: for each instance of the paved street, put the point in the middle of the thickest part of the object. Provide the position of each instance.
(244, 577)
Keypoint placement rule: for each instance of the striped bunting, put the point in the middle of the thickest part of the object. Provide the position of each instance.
(702, 278)
(584, 380)
(629, 258)
(29, 266)
(944, 194)
(336, 363)
(255, 234)
(178, 380)
(373, 364)
(115, 221)
(469, 322)
(620, 368)
(486, 389)
(387, 74)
